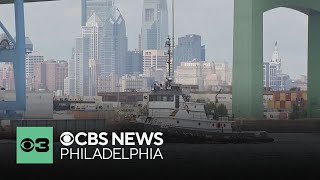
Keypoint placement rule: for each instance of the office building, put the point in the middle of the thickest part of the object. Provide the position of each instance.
(50, 75)
(134, 64)
(115, 45)
(199, 73)
(7, 76)
(189, 48)
(81, 67)
(103, 8)
(32, 58)
(155, 28)
(155, 64)
(108, 83)
(273, 77)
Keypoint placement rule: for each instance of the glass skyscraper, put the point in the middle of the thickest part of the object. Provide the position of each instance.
(115, 45)
(103, 8)
(189, 48)
(155, 30)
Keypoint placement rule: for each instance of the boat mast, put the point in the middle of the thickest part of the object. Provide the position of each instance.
(173, 43)
(168, 45)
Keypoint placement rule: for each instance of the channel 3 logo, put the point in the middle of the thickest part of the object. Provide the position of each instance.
(34, 145)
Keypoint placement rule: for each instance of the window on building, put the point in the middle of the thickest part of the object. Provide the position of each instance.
(149, 15)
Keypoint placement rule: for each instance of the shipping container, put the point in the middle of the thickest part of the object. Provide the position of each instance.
(299, 95)
(282, 96)
(276, 96)
(282, 104)
(277, 105)
(293, 96)
(271, 104)
(305, 96)
(288, 96)
(288, 105)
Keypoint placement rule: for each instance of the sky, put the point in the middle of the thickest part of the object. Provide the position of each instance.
(53, 26)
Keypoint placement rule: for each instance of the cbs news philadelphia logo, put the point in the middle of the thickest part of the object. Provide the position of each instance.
(34, 145)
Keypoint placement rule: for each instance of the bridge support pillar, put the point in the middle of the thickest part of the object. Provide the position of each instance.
(247, 87)
(314, 66)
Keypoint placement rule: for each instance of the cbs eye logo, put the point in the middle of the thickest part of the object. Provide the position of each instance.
(66, 139)
(40, 145)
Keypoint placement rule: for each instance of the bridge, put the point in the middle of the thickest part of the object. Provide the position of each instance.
(248, 50)
(248, 55)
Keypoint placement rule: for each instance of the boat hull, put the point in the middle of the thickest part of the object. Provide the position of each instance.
(186, 135)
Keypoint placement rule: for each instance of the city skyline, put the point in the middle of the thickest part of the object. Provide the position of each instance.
(291, 28)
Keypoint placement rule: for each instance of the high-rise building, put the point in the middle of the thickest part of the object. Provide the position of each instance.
(155, 64)
(92, 77)
(82, 67)
(103, 8)
(108, 83)
(61, 74)
(155, 28)
(50, 75)
(203, 53)
(7, 76)
(115, 45)
(189, 48)
(134, 83)
(134, 64)
(224, 71)
(200, 73)
(71, 79)
(66, 90)
(32, 58)
(93, 30)
(272, 73)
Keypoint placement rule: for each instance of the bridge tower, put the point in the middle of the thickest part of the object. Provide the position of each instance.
(248, 55)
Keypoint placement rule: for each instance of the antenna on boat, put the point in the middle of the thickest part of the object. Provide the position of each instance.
(169, 61)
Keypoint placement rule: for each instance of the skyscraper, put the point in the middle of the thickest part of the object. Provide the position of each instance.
(103, 8)
(272, 71)
(155, 28)
(92, 77)
(200, 73)
(155, 64)
(82, 67)
(115, 45)
(70, 81)
(32, 59)
(50, 75)
(134, 62)
(94, 32)
(189, 48)
(7, 76)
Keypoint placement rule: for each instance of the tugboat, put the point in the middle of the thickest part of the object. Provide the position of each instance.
(169, 110)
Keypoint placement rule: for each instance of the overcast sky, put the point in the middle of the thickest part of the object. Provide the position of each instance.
(53, 26)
